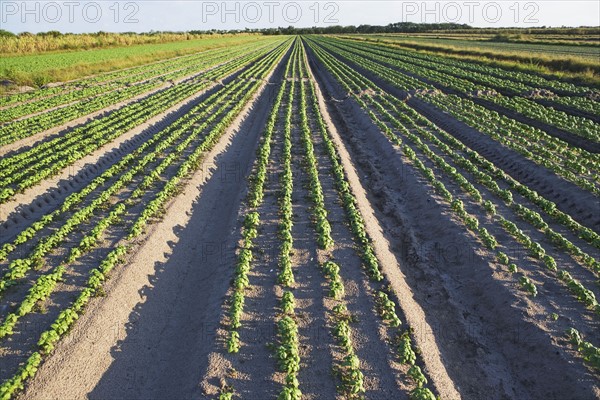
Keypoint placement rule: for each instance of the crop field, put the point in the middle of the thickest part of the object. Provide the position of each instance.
(300, 217)
(592, 51)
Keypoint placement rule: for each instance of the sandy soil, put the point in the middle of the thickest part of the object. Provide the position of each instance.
(146, 318)
(453, 282)
(159, 332)
(37, 200)
(582, 205)
(57, 130)
(549, 129)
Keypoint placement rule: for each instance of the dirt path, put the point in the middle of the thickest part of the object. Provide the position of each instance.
(74, 123)
(383, 375)
(161, 308)
(552, 130)
(34, 202)
(465, 314)
(580, 204)
(390, 262)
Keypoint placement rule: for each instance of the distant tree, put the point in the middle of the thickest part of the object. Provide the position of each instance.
(54, 34)
(5, 33)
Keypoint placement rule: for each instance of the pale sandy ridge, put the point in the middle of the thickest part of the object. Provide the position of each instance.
(83, 99)
(16, 214)
(73, 87)
(83, 357)
(30, 140)
(72, 174)
(424, 335)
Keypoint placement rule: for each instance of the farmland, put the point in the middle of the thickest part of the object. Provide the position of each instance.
(290, 217)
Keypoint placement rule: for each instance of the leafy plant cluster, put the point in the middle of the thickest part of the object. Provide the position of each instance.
(27, 168)
(528, 215)
(286, 274)
(352, 377)
(68, 316)
(589, 352)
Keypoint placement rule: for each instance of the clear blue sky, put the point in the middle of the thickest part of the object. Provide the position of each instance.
(143, 16)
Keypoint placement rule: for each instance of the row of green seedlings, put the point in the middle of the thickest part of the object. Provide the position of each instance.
(401, 59)
(97, 278)
(250, 230)
(32, 166)
(164, 98)
(288, 351)
(19, 267)
(390, 65)
(561, 147)
(61, 325)
(45, 284)
(249, 233)
(402, 343)
(214, 73)
(162, 140)
(490, 173)
(27, 109)
(22, 128)
(576, 125)
(172, 70)
(155, 207)
(286, 275)
(232, 100)
(548, 151)
(401, 81)
(530, 142)
(528, 215)
(487, 70)
(349, 371)
(554, 147)
(535, 249)
(465, 78)
(583, 294)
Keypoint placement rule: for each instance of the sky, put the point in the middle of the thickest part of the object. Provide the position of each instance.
(158, 15)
